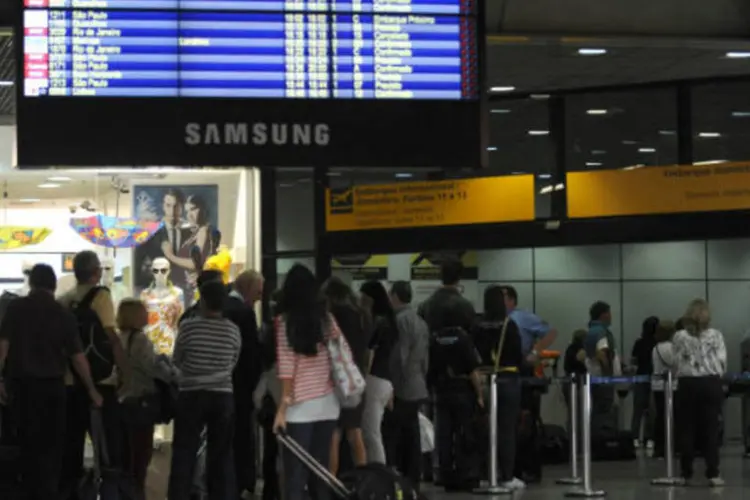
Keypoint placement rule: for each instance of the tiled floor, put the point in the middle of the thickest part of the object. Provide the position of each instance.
(620, 480)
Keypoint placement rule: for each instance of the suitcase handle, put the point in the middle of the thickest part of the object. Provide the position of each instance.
(320, 471)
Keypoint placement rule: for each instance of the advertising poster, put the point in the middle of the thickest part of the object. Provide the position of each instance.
(356, 269)
(190, 232)
(425, 274)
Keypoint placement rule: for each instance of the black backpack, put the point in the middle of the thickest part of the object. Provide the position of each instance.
(94, 339)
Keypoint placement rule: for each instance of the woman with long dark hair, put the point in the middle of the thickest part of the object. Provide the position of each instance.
(309, 408)
(351, 319)
(379, 391)
(700, 357)
(498, 342)
(642, 360)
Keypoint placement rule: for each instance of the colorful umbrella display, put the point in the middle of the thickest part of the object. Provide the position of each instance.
(20, 236)
(114, 232)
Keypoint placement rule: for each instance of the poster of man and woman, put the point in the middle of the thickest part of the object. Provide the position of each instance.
(188, 236)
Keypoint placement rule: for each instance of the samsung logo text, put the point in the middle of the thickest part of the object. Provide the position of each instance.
(257, 134)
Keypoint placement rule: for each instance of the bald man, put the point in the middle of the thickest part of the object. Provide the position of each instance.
(247, 290)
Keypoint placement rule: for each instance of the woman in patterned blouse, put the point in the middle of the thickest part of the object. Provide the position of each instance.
(701, 358)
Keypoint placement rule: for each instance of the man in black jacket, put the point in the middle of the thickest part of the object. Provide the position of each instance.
(247, 290)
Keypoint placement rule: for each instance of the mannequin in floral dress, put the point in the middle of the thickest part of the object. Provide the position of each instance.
(165, 304)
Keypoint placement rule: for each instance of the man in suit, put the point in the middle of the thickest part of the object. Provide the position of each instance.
(173, 204)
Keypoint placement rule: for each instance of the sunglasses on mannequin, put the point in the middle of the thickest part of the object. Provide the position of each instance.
(160, 271)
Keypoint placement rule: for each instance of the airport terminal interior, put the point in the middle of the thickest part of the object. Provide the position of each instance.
(615, 167)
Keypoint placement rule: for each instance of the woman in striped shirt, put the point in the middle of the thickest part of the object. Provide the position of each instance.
(309, 409)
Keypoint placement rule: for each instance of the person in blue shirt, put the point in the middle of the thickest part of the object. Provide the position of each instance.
(536, 336)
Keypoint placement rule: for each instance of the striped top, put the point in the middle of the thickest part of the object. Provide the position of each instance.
(311, 375)
(206, 352)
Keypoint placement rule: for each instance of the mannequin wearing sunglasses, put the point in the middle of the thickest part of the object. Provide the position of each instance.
(165, 305)
(117, 290)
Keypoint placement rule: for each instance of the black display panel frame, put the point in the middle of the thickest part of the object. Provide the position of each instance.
(102, 131)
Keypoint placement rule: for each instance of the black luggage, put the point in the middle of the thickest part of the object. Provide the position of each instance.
(555, 445)
(368, 482)
(608, 441)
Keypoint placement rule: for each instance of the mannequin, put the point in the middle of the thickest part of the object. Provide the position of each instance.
(117, 290)
(165, 305)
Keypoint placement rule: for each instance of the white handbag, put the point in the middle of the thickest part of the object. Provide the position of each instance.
(348, 381)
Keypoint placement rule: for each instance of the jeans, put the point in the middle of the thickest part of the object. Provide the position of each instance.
(315, 437)
(641, 404)
(197, 410)
(456, 437)
(699, 403)
(508, 411)
(377, 394)
(78, 417)
(139, 448)
(41, 412)
(244, 442)
(402, 439)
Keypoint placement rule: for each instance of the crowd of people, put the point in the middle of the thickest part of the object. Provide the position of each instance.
(691, 351)
(60, 358)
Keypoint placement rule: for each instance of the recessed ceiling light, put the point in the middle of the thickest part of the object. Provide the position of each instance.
(593, 164)
(538, 132)
(539, 97)
(29, 200)
(333, 174)
(559, 187)
(500, 111)
(709, 135)
(740, 114)
(633, 167)
(596, 112)
(545, 176)
(667, 132)
(738, 55)
(592, 52)
(629, 142)
(597, 152)
(647, 150)
(507, 88)
(546, 190)
(404, 175)
(48, 185)
(59, 179)
(6, 83)
(492, 148)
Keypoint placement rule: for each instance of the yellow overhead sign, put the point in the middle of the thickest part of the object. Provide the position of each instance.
(431, 203)
(659, 190)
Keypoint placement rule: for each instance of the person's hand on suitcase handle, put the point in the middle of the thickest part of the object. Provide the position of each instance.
(96, 399)
(279, 422)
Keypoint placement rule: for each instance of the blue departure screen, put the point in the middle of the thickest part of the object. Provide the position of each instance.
(314, 49)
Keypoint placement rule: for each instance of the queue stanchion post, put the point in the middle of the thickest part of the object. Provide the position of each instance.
(574, 478)
(492, 487)
(586, 490)
(669, 479)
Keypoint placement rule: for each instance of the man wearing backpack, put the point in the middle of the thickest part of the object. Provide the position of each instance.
(39, 337)
(95, 316)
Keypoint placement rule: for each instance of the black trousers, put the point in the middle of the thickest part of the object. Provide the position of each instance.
(78, 421)
(41, 411)
(699, 403)
(197, 410)
(456, 437)
(244, 442)
(271, 489)
(401, 437)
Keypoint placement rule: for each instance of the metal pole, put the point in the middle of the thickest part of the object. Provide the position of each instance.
(574, 477)
(586, 491)
(492, 487)
(669, 480)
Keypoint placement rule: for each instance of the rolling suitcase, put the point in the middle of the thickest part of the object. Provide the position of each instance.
(368, 482)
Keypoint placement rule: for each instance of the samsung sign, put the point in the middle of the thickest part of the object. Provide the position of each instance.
(257, 134)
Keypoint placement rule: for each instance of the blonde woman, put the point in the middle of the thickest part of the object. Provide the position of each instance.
(132, 317)
(700, 358)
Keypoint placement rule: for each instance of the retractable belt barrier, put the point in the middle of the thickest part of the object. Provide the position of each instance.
(574, 478)
(492, 487)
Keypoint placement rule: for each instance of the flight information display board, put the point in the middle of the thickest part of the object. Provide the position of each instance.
(257, 53)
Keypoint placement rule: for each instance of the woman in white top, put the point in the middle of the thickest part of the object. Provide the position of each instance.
(700, 361)
(662, 358)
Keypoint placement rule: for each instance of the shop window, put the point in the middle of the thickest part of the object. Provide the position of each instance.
(295, 219)
(612, 130)
(721, 122)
